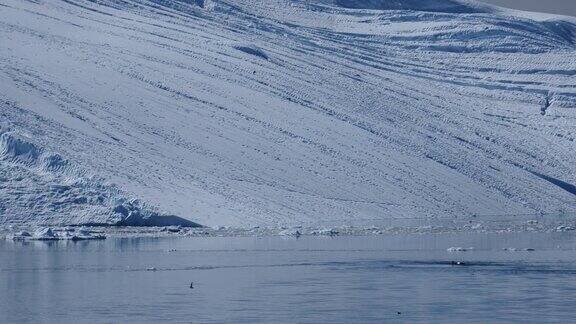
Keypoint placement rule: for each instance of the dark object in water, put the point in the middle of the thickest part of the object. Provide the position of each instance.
(458, 263)
(192, 285)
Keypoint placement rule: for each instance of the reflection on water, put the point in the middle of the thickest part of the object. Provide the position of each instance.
(274, 279)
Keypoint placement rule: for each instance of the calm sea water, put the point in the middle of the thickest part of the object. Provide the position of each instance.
(373, 279)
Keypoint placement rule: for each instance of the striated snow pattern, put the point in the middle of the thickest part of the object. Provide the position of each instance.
(250, 112)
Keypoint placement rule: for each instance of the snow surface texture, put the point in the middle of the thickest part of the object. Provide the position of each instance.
(41, 188)
(251, 112)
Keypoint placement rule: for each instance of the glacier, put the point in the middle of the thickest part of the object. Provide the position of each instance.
(281, 112)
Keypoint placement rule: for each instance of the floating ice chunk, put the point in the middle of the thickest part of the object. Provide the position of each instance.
(45, 234)
(459, 249)
(85, 234)
(564, 228)
(326, 231)
(516, 249)
(20, 236)
(172, 229)
(68, 233)
(290, 232)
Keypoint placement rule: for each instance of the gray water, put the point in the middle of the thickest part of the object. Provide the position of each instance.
(373, 279)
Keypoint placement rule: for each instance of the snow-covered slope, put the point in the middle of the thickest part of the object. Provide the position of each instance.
(246, 112)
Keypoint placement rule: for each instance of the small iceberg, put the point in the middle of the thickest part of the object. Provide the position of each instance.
(172, 229)
(20, 236)
(459, 249)
(565, 228)
(82, 234)
(326, 232)
(50, 234)
(45, 234)
(290, 232)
